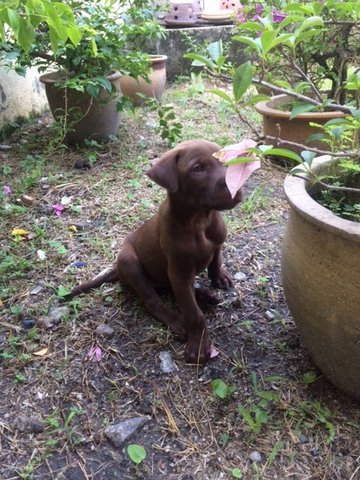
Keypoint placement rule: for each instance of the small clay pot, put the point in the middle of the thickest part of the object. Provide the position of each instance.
(296, 130)
(154, 88)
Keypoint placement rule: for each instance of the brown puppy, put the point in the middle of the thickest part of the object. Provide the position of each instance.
(178, 242)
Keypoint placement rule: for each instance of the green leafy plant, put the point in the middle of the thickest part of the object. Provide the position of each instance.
(221, 389)
(137, 453)
(311, 415)
(257, 412)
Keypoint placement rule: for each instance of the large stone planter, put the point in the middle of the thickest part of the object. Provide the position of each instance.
(87, 117)
(321, 278)
(153, 88)
(277, 122)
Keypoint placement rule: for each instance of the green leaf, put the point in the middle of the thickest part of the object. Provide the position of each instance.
(310, 22)
(309, 377)
(283, 152)
(248, 41)
(25, 35)
(301, 108)
(14, 20)
(308, 157)
(236, 473)
(242, 80)
(223, 95)
(215, 50)
(349, 165)
(62, 291)
(200, 60)
(316, 136)
(256, 99)
(219, 388)
(279, 445)
(137, 453)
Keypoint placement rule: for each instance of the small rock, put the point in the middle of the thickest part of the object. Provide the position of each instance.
(240, 276)
(314, 452)
(36, 290)
(5, 148)
(28, 424)
(81, 164)
(45, 322)
(44, 183)
(28, 323)
(303, 439)
(45, 209)
(119, 433)
(57, 314)
(255, 457)
(167, 364)
(269, 315)
(151, 123)
(79, 264)
(104, 330)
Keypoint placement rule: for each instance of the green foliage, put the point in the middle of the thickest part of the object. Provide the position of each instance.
(137, 453)
(90, 39)
(312, 414)
(257, 412)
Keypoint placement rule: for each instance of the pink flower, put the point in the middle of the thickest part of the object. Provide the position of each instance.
(238, 173)
(6, 190)
(58, 209)
(278, 16)
(95, 354)
(258, 11)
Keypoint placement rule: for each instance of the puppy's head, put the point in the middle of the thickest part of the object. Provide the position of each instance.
(191, 172)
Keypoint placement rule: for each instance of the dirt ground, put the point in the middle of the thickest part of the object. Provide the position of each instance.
(279, 418)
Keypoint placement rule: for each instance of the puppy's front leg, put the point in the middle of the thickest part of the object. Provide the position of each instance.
(219, 276)
(197, 348)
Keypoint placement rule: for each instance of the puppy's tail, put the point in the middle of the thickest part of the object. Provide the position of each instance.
(108, 275)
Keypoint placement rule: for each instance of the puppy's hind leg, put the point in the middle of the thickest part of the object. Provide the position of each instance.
(132, 272)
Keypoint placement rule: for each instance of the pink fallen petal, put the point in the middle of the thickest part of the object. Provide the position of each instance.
(58, 209)
(6, 190)
(95, 354)
(213, 351)
(233, 151)
(237, 174)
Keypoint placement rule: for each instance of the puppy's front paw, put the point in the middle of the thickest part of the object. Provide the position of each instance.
(221, 279)
(197, 350)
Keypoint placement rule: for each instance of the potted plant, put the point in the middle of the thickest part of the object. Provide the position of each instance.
(153, 84)
(304, 53)
(88, 56)
(320, 253)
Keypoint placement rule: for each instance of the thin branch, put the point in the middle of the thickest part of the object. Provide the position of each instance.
(302, 74)
(277, 140)
(326, 185)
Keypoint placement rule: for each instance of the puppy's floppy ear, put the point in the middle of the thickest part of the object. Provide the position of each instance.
(165, 172)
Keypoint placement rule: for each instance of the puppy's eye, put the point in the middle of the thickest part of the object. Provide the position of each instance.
(197, 168)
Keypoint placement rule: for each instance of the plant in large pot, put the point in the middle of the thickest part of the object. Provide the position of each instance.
(321, 248)
(88, 58)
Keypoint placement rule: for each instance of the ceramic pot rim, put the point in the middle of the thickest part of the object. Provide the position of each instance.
(59, 75)
(298, 197)
(267, 108)
(155, 58)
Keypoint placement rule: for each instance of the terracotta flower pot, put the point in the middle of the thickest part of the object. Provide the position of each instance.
(296, 130)
(154, 88)
(87, 117)
(321, 279)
